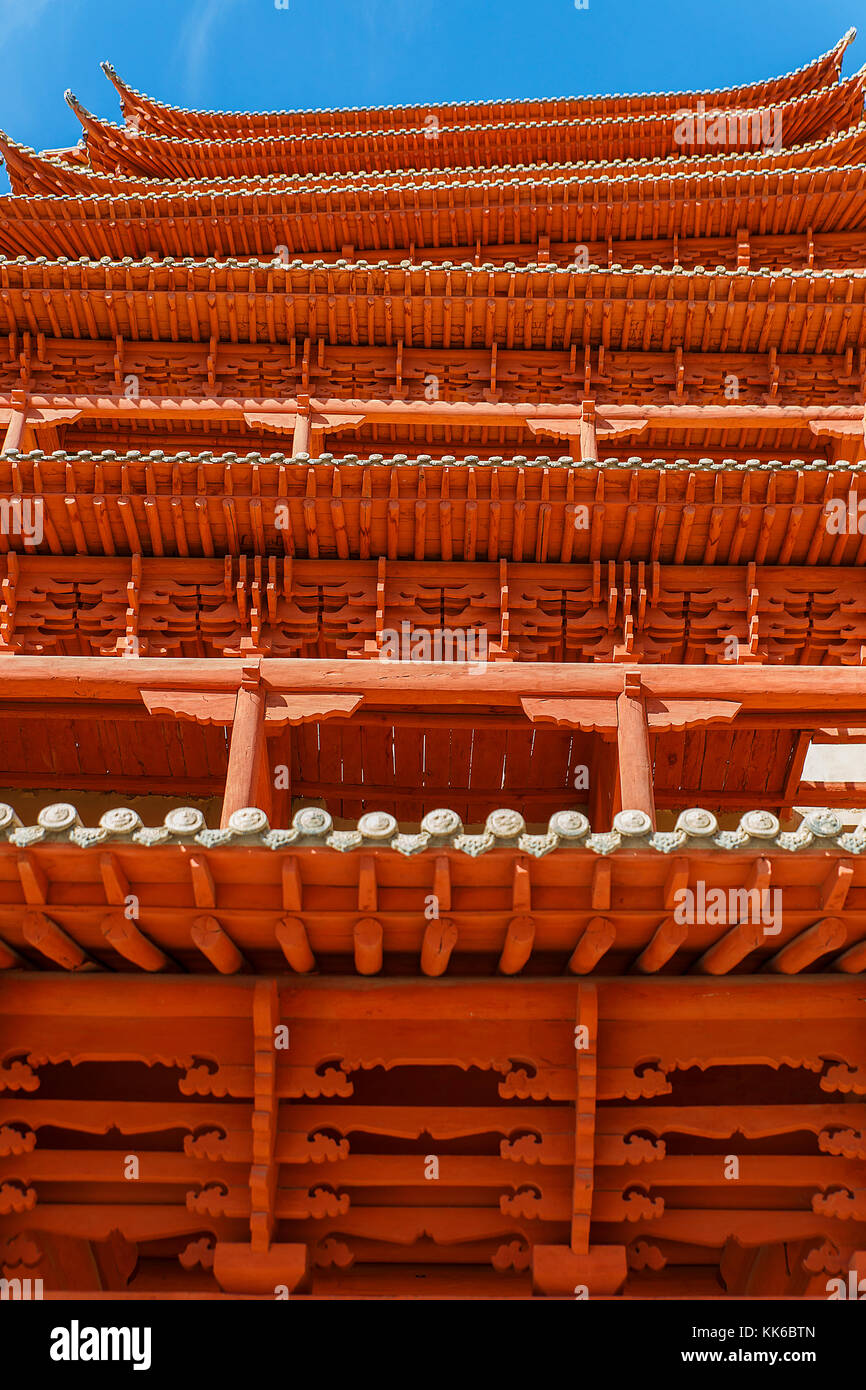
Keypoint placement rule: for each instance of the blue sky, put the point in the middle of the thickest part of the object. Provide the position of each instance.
(248, 54)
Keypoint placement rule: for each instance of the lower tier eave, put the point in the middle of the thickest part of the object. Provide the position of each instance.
(182, 900)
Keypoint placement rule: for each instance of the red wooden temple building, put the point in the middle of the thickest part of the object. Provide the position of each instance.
(432, 597)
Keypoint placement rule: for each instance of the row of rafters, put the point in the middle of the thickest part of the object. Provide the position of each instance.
(446, 307)
(230, 504)
(781, 217)
(199, 908)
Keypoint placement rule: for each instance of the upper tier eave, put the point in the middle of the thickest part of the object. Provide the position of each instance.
(805, 78)
(795, 121)
(257, 302)
(565, 177)
(444, 218)
(30, 172)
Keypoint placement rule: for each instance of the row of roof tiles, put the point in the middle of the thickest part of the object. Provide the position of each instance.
(540, 177)
(59, 166)
(511, 268)
(440, 829)
(222, 457)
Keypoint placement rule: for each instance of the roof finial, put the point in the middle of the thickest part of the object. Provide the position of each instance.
(72, 101)
(122, 88)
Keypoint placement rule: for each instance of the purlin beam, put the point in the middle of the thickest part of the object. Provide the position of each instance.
(835, 693)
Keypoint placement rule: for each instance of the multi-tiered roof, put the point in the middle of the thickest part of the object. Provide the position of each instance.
(584, 375)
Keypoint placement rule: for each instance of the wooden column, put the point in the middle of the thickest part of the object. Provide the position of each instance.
(794, 775)
(588, 439)
(246, 748)
(301, 436)
(635, 761)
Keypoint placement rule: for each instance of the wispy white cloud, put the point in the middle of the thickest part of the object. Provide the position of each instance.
(18, 15)
(194, 40)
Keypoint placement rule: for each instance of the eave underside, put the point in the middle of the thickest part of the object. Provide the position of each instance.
(585, 1140)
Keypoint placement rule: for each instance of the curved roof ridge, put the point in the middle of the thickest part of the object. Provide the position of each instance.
(7, 143)
(104, 128)
(25, 160)
(838, 50)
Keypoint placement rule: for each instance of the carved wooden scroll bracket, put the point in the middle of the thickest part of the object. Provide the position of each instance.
(281, 421)
(331, 421)
(591, 715)
(600, 716)
(570, 428)
(201, 707)
(300, 708)
(218, 707)
(40, 415)
(839, 429)
(664, 716)
(284, 421)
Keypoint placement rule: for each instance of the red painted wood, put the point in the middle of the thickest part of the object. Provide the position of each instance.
(491, 1060)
